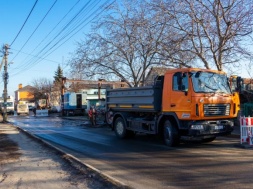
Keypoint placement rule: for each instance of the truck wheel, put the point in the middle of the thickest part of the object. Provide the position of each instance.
(120, 128)
(170, 134)
(109, 117)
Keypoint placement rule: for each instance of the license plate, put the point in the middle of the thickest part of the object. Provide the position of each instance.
(218, 127)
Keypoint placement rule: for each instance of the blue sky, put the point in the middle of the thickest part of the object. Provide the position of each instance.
(45, 41)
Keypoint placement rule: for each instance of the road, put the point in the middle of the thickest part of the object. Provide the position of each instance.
(144, 162)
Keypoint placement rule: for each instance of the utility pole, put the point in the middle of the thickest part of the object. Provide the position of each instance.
(5, 78)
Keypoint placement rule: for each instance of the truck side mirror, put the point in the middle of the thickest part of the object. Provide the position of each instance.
(239, 84)
(198, 74)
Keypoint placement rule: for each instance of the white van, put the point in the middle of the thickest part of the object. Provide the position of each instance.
(22, 109)
(9, 107)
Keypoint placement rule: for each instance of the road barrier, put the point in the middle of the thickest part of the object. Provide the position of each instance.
(41, 112)
(246, 125)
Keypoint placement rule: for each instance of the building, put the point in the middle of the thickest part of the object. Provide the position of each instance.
(153, 73)
(25, 95)
(94, 90)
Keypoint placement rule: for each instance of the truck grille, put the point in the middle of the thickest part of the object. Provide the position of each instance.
(216, 109)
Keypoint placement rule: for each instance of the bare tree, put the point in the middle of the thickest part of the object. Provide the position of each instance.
(137, 35)
(42, 89)
(124, 44)
(55, 94)
(213, 31)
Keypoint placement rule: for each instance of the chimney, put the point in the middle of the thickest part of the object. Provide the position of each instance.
(20, 86)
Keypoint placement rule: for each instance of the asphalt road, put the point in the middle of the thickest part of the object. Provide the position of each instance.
(144, 162)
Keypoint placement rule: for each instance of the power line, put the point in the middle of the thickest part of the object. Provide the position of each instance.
(65, 27)
(24, 22)
(37, 56)
(58, 34)
(36, 28)
(73, 31)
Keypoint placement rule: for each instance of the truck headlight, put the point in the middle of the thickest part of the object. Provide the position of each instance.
(197, 127)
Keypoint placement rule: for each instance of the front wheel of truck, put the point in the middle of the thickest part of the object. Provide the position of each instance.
(170, 134)
(120, 128)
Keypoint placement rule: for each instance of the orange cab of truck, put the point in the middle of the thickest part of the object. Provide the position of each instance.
(199, 94)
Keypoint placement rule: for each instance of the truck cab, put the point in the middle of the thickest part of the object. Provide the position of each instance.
(201, 101)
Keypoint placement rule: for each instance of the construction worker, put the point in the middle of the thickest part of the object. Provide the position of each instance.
(34, 111)
(92, 115)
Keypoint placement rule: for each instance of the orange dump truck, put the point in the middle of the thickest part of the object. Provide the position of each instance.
(186, 103)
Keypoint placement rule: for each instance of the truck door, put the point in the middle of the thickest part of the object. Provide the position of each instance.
(179, 97)
(79, 101)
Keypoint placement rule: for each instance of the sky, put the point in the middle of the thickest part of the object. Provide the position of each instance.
(41, 35)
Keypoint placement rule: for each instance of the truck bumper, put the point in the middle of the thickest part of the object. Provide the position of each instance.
(215, 128)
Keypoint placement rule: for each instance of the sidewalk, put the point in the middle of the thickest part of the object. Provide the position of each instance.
(26, 162)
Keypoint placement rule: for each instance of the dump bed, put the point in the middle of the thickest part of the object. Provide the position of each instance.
(136, 99)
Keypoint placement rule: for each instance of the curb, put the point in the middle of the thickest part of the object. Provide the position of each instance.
(75, 162)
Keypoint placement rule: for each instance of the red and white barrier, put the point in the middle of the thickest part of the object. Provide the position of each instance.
(246, 125)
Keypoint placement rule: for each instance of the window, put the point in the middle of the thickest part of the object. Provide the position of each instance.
(180, 82)
(208, 82)
(9, 104)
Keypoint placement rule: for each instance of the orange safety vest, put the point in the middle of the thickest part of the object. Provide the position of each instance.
(90, 113)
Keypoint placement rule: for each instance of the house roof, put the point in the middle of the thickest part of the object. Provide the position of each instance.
(153, 73)
(28, 88)
(159, 70)
(88, 84)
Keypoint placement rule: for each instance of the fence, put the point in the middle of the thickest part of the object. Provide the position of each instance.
(246, 125)
(247, 109)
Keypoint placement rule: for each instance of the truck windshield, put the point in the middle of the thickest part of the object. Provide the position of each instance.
(22, 106)
(9, 104)
(207, 82)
